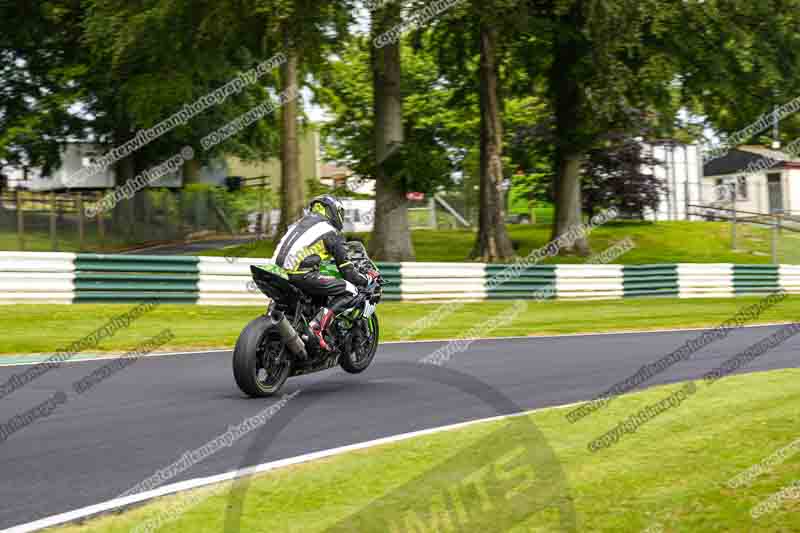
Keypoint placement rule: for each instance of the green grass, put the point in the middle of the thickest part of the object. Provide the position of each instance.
(46, 328)
(39, 241)
(672, 472)
(663, 242)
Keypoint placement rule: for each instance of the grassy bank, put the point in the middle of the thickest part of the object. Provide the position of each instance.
(663, 242)
(46, 328)
(671, 475)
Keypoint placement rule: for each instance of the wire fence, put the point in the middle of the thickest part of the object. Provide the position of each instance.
(63, 221)
(763, 219)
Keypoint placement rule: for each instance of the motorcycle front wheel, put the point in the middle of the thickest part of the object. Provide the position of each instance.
(363, 351)
(261, 361)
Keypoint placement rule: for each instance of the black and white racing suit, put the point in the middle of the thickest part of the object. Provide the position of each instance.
(308, 242)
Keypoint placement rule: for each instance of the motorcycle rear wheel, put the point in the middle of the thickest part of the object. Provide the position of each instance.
(261, 362)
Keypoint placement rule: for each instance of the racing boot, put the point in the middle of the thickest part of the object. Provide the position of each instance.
(319, 325)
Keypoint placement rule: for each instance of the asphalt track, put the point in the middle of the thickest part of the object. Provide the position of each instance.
(101, 443)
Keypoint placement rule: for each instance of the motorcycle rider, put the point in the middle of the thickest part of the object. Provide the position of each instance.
(312, 239)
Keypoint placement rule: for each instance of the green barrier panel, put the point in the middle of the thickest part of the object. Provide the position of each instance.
(515, 282)
(755, 279)
(119, 266)
(634, 293)
(123, 258)
(132, 276)
(127, 278)
(650, 280)
(120, 297)
(188, 286)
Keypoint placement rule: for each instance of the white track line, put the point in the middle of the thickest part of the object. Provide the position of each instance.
(424, 341)
(110, 505)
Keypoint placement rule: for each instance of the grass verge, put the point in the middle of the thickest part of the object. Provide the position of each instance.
(671, 475)
(47, 328)
(662, 242)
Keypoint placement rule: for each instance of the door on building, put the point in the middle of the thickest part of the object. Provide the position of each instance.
(775, 192)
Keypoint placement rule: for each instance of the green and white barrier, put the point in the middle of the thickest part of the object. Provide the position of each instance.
(789, 278)
(650, 280)
(705, 281)
(131, 278)
(29, 277)
(590, 282)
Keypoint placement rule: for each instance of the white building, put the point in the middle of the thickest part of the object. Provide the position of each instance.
(681, 170)
(773, 187)
(75, 156)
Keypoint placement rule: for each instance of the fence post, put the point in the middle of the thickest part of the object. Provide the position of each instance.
(80, 222)
(101, 224)
(20, 221)
(260, 229)
(734, 216)
(130, 215)
(181, 213)
(53, 226)
(775, 230)
(686, 201)
(165, 209)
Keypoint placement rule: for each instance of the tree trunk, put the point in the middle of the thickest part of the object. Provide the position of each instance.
(123, 215)
(191, 171)
(493, 242)
(569, 48)
(391, 235)
(291, 183)
(568, 202)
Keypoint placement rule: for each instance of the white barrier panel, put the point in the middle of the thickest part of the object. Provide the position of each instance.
(443, 270)
(239, 266)
(233, 298)
(789, 278)
(225, 281)
(705, 281)
(36, 262)
(589, 282)
(445, 296)
(34, 277)
(437, 281)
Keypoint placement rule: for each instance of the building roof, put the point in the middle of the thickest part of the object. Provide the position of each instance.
(738, 159)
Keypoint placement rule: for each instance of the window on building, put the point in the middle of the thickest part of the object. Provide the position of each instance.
(742, 188)
(719, 190)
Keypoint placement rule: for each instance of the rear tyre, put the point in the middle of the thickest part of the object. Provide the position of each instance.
(261, 361)
(363, 351)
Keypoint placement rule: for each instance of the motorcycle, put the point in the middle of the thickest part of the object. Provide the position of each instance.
(278, 344)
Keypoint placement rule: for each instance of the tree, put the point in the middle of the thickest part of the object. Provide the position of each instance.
(391, 235)
(43, 73)
(493, 242)
(431, 130)
(614, 177)
(750, 68)
(307, 32)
